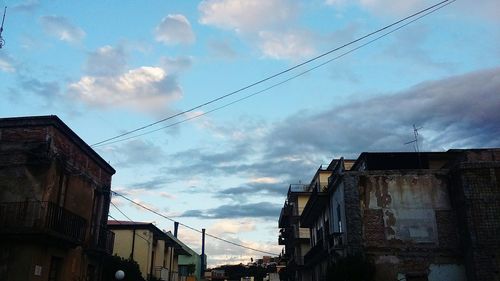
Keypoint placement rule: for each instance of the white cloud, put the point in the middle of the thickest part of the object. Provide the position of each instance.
(231, 227)
(62, 29)
(271, 26)
(289, 45)
(176, 65)
(106, 61)
(145, 88)
(246, 15)
(6, 64)
(175, 29)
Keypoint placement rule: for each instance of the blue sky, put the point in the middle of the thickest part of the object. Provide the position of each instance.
(106, 67)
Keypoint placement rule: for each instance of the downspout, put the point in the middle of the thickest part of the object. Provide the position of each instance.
(133, 244)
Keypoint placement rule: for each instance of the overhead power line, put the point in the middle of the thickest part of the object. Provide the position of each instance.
(116, 207)
(190, 227)
(281, 82)
(423, 11)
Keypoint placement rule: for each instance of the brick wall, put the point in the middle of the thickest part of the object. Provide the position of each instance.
(353, 213)
(477, 201)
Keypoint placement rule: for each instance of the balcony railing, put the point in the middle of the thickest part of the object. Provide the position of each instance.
(298, 188)
(41, 217)
(104, 240)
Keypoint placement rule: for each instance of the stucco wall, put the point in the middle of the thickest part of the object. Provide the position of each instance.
(404, 214)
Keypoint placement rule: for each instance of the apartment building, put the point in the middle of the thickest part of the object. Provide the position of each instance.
(413, 216)
(155, 251)
(293, 236)
(54, 202)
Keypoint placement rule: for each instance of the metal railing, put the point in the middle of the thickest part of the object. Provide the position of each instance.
(298, 188)
(104, 240)
(41, 216)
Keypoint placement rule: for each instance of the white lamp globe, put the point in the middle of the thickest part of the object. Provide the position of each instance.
(119, 275)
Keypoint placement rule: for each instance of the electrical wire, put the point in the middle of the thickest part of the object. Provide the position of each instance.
(279, 83)
(190, 227)
(147, 240)
(274, 75)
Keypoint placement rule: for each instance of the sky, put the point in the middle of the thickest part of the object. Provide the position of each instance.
(108, 67)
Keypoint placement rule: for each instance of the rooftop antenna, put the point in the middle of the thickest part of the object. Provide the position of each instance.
(415, 140)
(415, 144)
(2, 41)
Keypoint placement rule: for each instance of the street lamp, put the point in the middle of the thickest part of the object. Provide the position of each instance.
(119, 275)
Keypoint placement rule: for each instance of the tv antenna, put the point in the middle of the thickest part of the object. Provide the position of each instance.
(415, 140)
(2, 41)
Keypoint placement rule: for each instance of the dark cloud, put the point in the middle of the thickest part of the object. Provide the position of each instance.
(45, 89)
(254, 188)
(260, 210)
(456, 112)
(154, 183)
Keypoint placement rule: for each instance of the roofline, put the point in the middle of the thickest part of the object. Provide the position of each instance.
(56, 122)
(136, 225)
(184, 246)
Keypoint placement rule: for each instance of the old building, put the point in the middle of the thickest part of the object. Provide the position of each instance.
(295, 238)
(54, 202)
(155, 251)
(414, 216)
(292, 236)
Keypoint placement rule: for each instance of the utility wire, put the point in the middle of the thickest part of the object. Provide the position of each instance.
(430, 10)
(147, 240)
(190, 227)
(272, 76)
(282, 82)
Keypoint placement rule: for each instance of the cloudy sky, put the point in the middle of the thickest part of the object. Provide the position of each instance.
(107, 67)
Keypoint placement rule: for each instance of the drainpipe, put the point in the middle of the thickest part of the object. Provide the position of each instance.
(133, 244)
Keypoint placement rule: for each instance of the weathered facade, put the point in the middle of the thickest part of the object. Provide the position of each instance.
(415, 216)
(54, 202)
(156, 252)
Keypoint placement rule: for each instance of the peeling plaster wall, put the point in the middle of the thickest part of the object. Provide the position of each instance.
(409, 228)
(408, 203)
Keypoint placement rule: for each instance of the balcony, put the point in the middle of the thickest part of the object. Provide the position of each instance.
(316, 253)
(104, 241)
(37, 217)
(286, 213)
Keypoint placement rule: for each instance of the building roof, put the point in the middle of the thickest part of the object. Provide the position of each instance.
(115, 224)
(54, 121)
(182, 249)
(168, 237)
(369, 161)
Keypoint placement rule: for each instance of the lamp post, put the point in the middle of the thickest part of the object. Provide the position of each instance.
(119, 275)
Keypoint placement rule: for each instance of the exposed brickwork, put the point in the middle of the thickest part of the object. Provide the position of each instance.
(24, 134)
(373, 223)
(447, 229)
(354, 226)
(477, 201)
